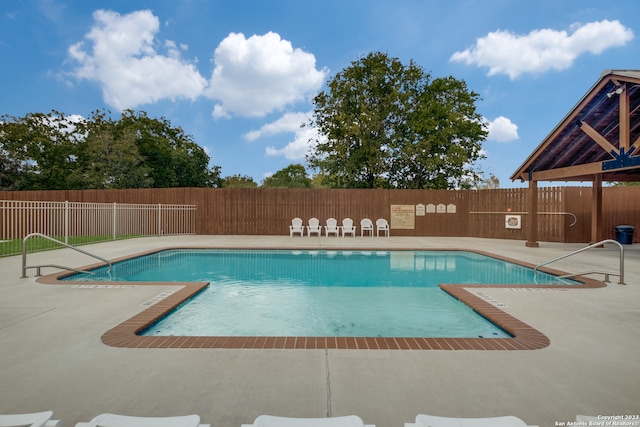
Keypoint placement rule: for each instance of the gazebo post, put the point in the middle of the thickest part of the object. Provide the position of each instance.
(596, 209)
(532, 219)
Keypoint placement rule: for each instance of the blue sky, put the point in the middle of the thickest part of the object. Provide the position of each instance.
(239, 75)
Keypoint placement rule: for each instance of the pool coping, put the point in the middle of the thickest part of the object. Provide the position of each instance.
(523, 336)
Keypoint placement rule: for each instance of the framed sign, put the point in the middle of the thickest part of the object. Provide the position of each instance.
(403, 217)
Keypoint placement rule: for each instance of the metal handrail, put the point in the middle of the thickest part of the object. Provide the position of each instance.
(620, 274)
(575, 218)
(38, 267)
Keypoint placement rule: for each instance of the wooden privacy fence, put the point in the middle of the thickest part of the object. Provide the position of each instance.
(105, 221)
(564, 212)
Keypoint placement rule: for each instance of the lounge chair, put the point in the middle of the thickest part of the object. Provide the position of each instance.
(366, 225)
(423, 420)
(271, 421)
(332, 227)
(314, 227)
(348, 227)
(382, 225)
(296, 227)
(35, 419)
(112, 420)
(586, 419)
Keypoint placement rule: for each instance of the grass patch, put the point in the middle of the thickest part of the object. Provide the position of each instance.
(38, 244)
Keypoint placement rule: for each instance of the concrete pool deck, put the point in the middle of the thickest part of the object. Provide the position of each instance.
(52, 356)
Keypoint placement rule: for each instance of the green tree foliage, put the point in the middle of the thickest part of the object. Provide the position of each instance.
(239, 181)
(173, 158)
(492, 182)
(38, 151)
(320, 180)
(55, 152)
(383, 124)
(109, 158)
(293, 176)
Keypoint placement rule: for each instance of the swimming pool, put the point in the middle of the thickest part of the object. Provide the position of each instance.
(323, 293)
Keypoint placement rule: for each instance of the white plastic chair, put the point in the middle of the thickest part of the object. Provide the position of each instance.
(314, 227)
(35, 419)
(366, 225)
(271, 421)
(423, 420)
(113, 420)
(332, 227)
(382, 225)
(348, 227)
(296, 227)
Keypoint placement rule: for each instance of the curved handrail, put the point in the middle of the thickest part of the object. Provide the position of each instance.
(621, 274)
(44, 236)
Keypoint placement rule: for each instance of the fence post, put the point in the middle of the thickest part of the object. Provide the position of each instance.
(159, 219)
(115, 221)
(66, 221)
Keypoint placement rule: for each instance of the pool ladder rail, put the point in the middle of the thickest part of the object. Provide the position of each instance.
(38, 267)
(620, 274)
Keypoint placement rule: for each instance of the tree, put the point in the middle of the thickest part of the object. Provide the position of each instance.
(39, 151)
(57, 152)
(488, 183)
(172, 157)
(320, 180)
(238, 181)
(386, 125)
(293, 176)
(110, 159)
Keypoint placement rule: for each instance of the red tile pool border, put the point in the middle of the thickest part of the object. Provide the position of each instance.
(524, 337)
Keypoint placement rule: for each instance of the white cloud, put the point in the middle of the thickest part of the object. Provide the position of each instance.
(290, 122)
(502, 130)
(507, 53)
(260, 74)
(296, 149)
(251, 77)
(122, 57)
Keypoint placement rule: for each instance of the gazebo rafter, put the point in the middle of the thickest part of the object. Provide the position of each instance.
(597, 141)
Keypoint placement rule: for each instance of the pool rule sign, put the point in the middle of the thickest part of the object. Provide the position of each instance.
(403, 217)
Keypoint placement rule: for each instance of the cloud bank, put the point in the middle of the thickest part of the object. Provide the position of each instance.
(251, 77)
(542, 50)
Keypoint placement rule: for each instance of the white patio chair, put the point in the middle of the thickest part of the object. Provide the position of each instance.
(113, 420)
(423, 420)
(296, 227)
(366, 225)
(314, 227)
(332, 227)
(271, 421)
(35, 419)
(382, 225)
(348, 227)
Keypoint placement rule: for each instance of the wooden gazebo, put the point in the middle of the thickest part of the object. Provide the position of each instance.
(597, 141)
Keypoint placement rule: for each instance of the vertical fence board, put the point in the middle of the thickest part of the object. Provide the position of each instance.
(263, 211)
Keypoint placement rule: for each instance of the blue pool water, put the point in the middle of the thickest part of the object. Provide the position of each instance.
(323, 293)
